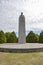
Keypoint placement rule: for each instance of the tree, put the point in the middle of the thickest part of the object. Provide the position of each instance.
(37, 35)
(7, 34)
(2, 37)
(12, 38)
(41, 37)
(31, 38)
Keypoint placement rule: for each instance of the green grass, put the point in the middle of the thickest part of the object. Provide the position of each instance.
(21, 58)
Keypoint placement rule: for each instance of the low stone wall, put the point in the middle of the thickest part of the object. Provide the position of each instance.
(21, 50)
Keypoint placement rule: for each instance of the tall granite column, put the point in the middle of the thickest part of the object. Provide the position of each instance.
(22, 38)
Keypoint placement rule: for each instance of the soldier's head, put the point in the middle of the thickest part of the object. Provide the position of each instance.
(21, 13)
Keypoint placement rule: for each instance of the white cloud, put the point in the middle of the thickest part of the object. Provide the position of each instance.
(10, 11)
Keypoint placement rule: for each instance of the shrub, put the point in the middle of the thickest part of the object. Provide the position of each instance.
(12, 38)
(2, 37)
(41, 37)
(31, 38)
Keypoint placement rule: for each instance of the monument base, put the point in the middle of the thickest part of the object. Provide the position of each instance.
(24, 48)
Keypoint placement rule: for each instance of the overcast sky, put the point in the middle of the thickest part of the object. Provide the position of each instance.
(11, 9)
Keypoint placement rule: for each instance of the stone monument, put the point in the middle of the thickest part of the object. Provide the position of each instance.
(22, 38)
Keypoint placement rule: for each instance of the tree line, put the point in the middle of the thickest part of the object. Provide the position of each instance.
(10, 37)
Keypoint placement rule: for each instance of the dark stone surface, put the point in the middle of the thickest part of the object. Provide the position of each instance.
(21, 50)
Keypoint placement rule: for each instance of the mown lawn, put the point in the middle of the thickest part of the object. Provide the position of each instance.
(21, 58)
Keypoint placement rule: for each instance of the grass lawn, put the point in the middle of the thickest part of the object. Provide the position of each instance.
(21, 58)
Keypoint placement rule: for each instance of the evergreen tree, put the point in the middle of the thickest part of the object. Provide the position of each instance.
(31, 38)
(2, 37)
(41, 37)
(12, 38)
(7, 34)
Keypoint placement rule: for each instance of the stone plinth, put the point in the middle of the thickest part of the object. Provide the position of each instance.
(22, 38)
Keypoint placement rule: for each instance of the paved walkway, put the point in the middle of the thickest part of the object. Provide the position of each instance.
(21, 46)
